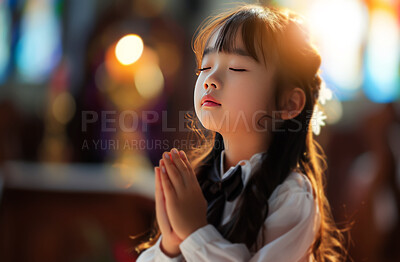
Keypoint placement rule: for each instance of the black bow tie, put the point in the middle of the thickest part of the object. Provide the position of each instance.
(218, 191)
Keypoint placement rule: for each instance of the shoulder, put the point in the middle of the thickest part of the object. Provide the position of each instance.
(293, 219)
(296, 182)
(293, 198)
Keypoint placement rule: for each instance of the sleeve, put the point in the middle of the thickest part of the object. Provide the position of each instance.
(207, 244)
(290, 231)
(154, 253)
(290, 228)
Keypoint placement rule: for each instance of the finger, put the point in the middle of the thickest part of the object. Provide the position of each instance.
(158, 183)
(168, 187)
(173, 173)
(163, 209)
(161, 213)
(187, 163)
(161, 164)
(180, 165)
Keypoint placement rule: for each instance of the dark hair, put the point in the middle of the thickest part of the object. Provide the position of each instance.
(285, 43)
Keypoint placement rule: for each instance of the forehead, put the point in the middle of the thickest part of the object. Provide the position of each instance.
(214, 37)
(238, 47)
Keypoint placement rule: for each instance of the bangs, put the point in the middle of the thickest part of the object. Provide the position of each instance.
(256, 35)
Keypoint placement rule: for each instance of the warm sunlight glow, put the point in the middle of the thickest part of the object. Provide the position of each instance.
(382, 58)
(340, 27)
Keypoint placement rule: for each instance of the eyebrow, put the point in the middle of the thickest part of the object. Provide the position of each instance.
(236, 51)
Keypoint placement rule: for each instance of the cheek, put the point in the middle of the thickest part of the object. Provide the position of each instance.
(197, 95)
(244, 95)
(247, 100)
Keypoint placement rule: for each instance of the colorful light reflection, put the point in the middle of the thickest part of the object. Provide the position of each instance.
(39, 49)
(340, 28)
(5, 25)
(382, 81)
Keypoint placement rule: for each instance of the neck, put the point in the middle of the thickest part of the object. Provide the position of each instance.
(243, 147)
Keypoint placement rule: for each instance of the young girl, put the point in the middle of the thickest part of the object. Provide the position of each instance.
(254, 189)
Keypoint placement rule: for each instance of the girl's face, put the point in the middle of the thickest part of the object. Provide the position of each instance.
(241, 85)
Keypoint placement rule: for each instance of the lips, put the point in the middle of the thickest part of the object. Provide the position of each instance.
(209, 101)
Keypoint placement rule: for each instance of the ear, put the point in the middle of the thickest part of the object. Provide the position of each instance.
(294, 101)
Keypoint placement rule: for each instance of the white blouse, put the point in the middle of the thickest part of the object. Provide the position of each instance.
(290, 227)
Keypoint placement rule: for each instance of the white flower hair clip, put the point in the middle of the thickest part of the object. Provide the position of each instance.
(317, 120)
(324, 93)
(318, 116)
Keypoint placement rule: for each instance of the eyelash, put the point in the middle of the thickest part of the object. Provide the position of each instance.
(199, 70)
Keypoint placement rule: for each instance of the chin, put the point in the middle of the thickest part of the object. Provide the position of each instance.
(209, 121)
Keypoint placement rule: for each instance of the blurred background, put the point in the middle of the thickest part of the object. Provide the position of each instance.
(93, 92)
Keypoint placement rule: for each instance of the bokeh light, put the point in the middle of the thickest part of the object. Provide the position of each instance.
(340, 28)
(115, 69)
(124, 73)
(382, 81)
(149, 81)
(133, 85)
(39, 48)
(5, 26)
(63, 107)
(126, 85)
(129, 49)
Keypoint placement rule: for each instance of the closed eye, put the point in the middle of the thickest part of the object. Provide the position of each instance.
(201, 69)
(237, 70)
(206, 68)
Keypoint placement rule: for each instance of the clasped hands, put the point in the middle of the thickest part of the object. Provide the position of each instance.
(181, 207)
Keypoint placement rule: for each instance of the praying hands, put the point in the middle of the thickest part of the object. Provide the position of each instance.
(181, 207)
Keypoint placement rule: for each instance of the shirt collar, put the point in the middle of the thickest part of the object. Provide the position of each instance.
(247, 166)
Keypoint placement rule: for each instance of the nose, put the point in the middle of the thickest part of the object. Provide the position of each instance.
(208, 84)
(212, 81)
